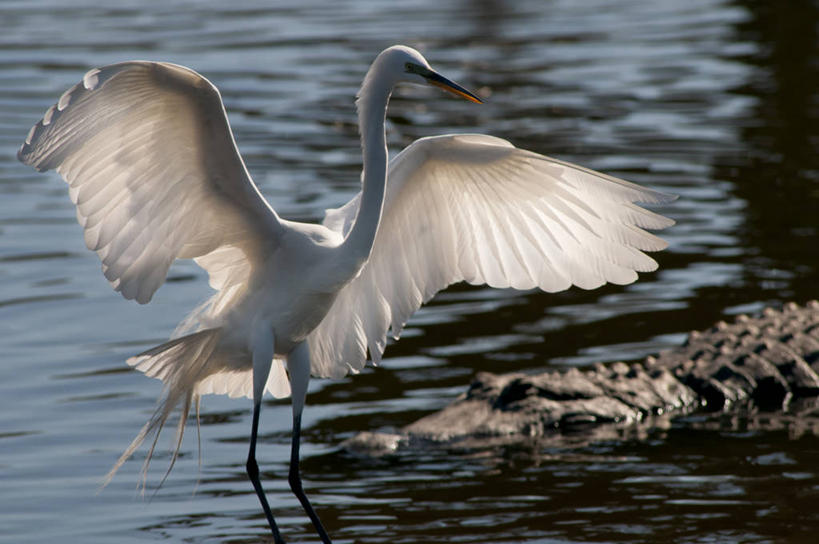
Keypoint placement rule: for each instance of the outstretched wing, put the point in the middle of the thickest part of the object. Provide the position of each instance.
(154, 172)
(475, 208)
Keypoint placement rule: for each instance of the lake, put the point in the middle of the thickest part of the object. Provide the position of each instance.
(713, 100)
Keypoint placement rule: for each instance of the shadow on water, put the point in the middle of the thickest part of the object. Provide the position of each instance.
(776, 171)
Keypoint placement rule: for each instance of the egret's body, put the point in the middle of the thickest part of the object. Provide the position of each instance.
(155, 175)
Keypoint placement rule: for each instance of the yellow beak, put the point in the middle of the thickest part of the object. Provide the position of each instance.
(434, 78)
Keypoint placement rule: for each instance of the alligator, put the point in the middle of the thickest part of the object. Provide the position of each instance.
(762, 369)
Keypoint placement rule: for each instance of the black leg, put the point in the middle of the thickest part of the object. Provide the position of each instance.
(295, 481)
(253, 474)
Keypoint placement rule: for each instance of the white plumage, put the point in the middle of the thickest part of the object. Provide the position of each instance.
(155, 175)
(474, 208)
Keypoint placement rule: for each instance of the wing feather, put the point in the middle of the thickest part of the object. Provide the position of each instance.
(475, 208)
(154, 172)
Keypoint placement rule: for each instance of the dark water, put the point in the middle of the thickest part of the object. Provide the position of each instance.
(713, 100)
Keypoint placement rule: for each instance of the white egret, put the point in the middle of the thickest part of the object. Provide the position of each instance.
(155, 175)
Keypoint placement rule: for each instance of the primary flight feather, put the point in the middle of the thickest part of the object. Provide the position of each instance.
(155, 175)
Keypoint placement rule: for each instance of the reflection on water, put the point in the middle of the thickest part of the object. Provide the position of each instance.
(713, 100)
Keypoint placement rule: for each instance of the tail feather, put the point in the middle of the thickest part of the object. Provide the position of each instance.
(181, 364)
(180, 432)
(191, 366)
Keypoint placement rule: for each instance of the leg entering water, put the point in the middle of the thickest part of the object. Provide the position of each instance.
(298, 365)
(262, 346)
(253, 474)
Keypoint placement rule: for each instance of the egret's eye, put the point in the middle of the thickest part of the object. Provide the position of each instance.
(412, 68)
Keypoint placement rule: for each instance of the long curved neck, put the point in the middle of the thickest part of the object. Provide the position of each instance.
(372, 110)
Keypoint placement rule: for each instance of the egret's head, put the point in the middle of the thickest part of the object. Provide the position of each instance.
(410, 66)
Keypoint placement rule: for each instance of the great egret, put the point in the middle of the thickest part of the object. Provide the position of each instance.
(155, 175)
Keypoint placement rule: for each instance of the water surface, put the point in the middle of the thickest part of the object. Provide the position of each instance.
(713, 100)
